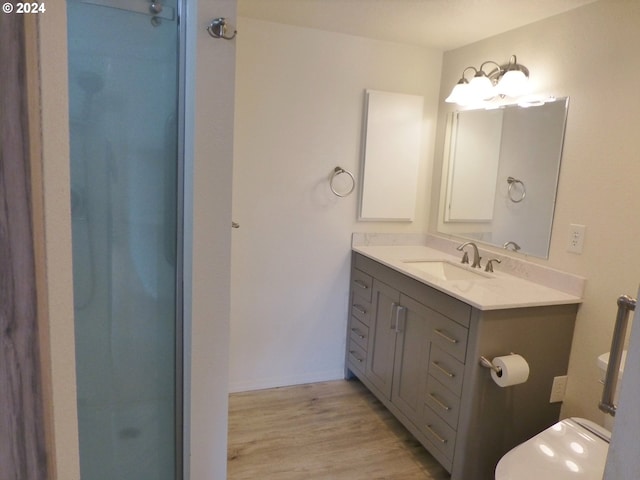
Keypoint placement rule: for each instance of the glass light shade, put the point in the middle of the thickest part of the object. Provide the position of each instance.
(481, 88)
(459, 94)
(513, 84)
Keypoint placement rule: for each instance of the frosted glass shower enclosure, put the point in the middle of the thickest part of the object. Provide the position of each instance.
(124, 69)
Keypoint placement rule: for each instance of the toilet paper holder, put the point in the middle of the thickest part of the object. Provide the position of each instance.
(486, 363)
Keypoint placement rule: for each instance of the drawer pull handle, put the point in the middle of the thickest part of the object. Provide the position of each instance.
(359, 308)
(446, 372)
(445, 336)
(439, 402)
(435, 434)
(358, 333)
(361, 284)
(353, 352)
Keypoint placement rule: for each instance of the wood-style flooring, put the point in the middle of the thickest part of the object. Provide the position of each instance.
(332, 430)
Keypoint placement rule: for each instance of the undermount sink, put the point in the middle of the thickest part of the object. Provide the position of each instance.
(446, 270)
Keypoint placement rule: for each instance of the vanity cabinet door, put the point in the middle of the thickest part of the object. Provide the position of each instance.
(382, 337)
(410, 358)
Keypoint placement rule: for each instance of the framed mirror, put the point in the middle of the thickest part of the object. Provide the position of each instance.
(500, 174)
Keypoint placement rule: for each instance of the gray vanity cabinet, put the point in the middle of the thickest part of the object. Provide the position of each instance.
(396, 360)
(417, 349)
(359, 321)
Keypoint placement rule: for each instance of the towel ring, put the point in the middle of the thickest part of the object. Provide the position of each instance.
(511, 181)
(337, 171)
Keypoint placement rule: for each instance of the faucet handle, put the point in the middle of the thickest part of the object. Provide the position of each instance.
(489, 267)
(465, 258)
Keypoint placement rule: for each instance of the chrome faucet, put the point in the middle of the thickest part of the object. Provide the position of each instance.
(514, 246)
(476, 254)
(489, 267)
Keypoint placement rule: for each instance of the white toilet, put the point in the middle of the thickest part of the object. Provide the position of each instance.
(572, 449)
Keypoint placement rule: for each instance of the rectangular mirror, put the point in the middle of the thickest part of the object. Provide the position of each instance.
(500, 174)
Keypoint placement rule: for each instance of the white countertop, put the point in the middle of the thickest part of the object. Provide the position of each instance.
(496, 291)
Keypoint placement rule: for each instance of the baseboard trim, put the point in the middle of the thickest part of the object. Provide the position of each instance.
(275, 382)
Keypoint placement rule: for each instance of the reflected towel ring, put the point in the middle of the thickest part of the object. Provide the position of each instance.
(337, 171)
(511, 181)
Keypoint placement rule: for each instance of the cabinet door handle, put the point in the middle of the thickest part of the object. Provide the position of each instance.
(394, 316)
(359, 308)
(354, 353)
(439, 402)
(443, 370)
(358, 332)
(445, 336)
(361, 284)
(400, 318)
(435, 434)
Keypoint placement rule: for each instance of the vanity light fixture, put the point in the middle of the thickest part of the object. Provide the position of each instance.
(508, 80)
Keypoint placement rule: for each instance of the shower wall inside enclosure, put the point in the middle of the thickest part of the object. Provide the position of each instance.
(125, 176)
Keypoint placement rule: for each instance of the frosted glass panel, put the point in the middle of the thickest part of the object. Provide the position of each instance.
(123, 71)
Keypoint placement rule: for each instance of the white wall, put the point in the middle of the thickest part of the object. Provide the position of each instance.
(209, 160)
(299, 100)
(589, 54)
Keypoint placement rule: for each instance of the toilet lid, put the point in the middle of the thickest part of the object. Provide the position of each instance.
(572, 449)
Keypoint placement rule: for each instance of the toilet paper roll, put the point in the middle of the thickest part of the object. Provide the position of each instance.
(514, 370)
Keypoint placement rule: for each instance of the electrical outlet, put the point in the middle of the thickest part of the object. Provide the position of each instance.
(576, 238)
(558, 389)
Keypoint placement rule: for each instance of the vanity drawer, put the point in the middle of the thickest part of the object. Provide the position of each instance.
(361, 309)
(357, 357)
(449, 336)
(441, 435)
(361, 284)
(446, 369)
(359, 333)
(442, 401)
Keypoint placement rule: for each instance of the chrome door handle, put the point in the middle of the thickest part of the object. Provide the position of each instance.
(358, 333)
(400, 318)
(445, 336)
(359, 308)
(394, 316)
(443, 370)
(361, 284)
(355, 355)
(435, 434)
(439, 402)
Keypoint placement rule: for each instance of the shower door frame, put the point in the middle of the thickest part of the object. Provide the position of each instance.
(181, 18)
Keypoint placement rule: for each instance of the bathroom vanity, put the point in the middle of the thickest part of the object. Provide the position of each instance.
(418, 325)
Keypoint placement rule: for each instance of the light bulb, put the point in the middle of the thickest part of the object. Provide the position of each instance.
(481, 88)
(513, 83)
(459, 94)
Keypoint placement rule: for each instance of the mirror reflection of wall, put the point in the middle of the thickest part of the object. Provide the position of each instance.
(501, 173)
